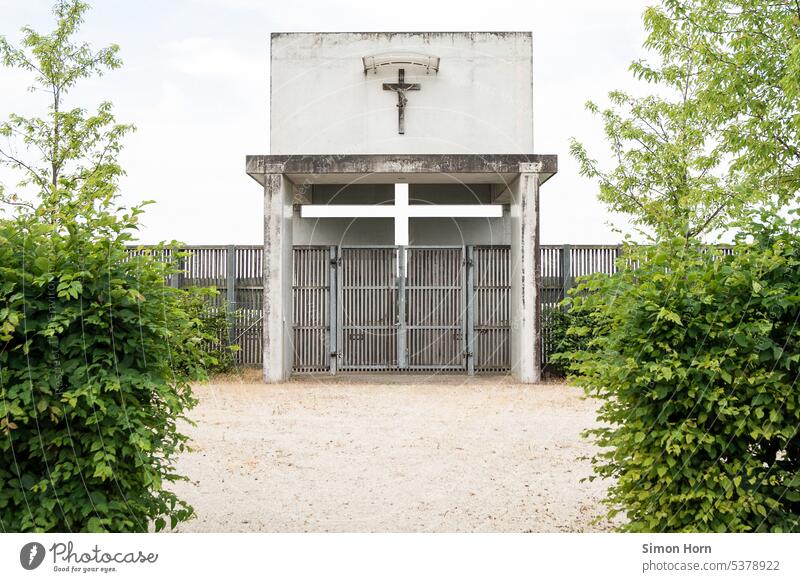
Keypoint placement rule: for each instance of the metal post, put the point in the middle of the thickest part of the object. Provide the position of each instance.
(333, 296)
(469, 305)
(175, 278)
(566, 270)
(230, 291)
(340, 281)
(402, 359)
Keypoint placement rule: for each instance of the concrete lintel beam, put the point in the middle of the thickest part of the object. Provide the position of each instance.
(260, 168)
(321, 164)
(532, 168)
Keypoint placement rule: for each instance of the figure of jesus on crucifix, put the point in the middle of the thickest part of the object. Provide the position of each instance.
(400, 88)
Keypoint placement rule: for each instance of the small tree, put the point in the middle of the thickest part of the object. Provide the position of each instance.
(89, 334)
(747, 80)
(667, 176)
(694, 355)
(671, 172)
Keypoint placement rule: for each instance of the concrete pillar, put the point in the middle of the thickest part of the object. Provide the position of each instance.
(525, 277)
(277, 307)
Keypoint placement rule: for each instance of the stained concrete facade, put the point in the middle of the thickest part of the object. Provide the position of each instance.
(468, 140)
(480, 101)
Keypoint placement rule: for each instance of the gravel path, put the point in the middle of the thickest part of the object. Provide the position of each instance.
(389, 453)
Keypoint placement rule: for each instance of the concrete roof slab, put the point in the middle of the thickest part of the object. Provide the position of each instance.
(391, 168)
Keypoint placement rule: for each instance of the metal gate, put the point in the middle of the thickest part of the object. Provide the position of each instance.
(491, 308)
(401, 308)
(311, 286)
(434, 308)
(367, 308)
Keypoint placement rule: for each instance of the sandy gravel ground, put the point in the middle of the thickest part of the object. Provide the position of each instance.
(389, 454)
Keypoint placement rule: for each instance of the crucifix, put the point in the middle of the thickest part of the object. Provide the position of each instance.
(400, 88)
(401, 211)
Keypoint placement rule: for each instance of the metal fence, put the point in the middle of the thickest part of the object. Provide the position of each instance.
(560, 266)
(236, 271)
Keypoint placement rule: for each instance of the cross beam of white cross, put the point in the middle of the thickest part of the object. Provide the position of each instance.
(401, 211)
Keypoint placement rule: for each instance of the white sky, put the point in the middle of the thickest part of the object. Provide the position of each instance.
(195, 83)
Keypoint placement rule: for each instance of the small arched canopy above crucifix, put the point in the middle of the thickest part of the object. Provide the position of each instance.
(372, 63)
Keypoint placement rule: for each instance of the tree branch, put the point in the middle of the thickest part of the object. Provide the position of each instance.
(34, 173)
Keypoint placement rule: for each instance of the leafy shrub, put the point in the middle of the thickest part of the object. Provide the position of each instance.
(96, 351)
(213, 325)
(571, 329)
(96, 355)
(696, 363)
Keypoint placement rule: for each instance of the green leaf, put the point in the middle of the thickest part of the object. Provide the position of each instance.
(42, 264)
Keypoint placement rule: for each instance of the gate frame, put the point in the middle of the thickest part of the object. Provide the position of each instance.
(338, 292)
(333, 310)
(464, 365)
(466, 281)
(469, 308)
(474, 324)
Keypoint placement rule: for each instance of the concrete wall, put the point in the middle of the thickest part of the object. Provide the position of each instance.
(422, 231)
(481, 101)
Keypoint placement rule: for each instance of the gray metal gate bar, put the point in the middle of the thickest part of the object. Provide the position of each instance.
(402, 349)
(338, 293)
(230, 292)
(333, 328)
(469, 307)
(566, 270)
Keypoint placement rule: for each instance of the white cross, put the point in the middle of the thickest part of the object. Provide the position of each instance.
(401, 211)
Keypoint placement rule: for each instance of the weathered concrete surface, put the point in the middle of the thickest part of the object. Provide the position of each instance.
(525, 284)
(481, 100)
(277, 300)
(306, 168)
(333, 124)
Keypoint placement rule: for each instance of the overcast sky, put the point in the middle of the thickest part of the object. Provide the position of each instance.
(195, 82)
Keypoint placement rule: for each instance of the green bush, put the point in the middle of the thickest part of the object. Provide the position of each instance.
(96, 355)
(695, 362)
(96, 351)
(214, 326)
(571, 329)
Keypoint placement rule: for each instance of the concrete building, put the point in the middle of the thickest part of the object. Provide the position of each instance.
(405, 162)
